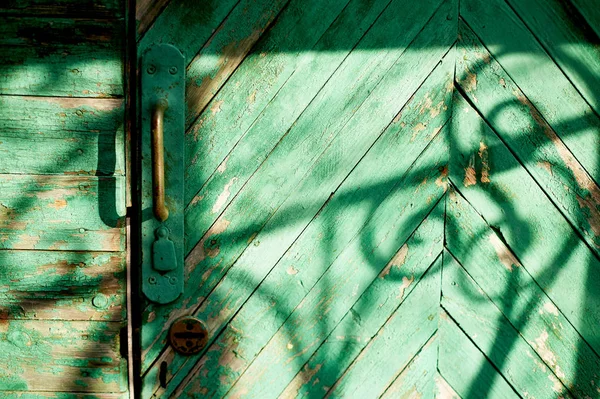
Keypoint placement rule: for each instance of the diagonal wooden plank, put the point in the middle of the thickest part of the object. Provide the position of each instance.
(540, 150)
(187, 24)
(510, 287)
(385, 294)
(590, 11)
(560, 104)
(485, 325)
(262, 74)
(410, 328)
(227, 48)
(465, 368)
(146, 12)
(411, 130)
(417, 380)
(312, 72)
(262, 199)
(565, 35)
(331, 298)
(527, 220)
(443, 389)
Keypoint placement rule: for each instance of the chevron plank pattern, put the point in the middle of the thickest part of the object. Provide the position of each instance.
(386, 199)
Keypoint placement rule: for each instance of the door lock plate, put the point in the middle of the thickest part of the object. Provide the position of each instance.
(188, 335)
(162, 109)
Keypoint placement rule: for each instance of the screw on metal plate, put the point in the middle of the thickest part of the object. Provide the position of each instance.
(188, 335)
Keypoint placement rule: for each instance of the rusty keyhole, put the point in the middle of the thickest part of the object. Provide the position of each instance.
(188, 335)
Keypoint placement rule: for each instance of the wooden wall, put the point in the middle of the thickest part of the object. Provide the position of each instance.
(62, 198)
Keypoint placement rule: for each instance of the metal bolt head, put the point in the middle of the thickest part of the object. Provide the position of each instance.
(152, 280)
(100, 301)
(151, 69)
(173, 70)
(173, 280)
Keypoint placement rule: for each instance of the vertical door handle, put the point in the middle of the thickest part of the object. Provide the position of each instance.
(161, 212)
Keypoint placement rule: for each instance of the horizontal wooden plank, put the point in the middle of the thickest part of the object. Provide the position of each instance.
(65, 8)
(410, 327)
(51, 135)
(539, 321)
(411, 130)
(385, 294)
(465, 368)
(494, 335)
(62, 395)
(62, 285)
(538, 234)
(61, 356)
(61, 57)
(62, 213)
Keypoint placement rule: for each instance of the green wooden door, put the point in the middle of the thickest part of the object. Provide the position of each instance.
(385, 198)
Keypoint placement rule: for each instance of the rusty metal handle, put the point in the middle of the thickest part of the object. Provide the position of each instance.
(158, 161)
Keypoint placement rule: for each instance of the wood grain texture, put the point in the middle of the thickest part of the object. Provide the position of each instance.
(496, 337)
(271, 246)
(464, 367)
(540, 150)
(110, 9)
(514, 292)
(62, 213)
(62, 356)
(146, 12)
(62, 395)
(61, 57)
(263, 73)
(51, 135)
(62, 285)
(529, 223)
(558, 102)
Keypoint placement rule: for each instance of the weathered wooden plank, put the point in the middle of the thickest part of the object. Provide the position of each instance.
(46, 135)
(61, 356)
(62, 395)
(464, 367)
(225, 51)
(422, 120)
(443, 390)
(186, 24)
(477, 316)
(529, 137)
(538, 234)
(565, 35)
(260, 77)
(61, 57)
(504, 35)
(62, 285)
(332, 229)
(279, 124)
(146, 12)
(64, 8)
(417, 380)
(343, 282)
(385, 294)
(410, 327)
(62, 213)
(590, 11)
(500, 275)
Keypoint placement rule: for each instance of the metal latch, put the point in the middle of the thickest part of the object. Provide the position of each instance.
(162, 130)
